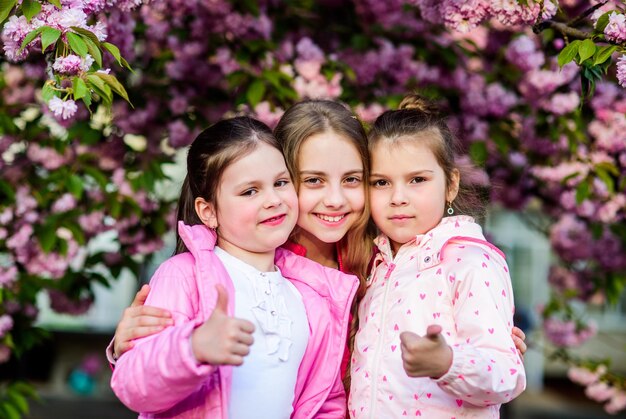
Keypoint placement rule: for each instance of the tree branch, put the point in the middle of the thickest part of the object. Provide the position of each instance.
(563, 28)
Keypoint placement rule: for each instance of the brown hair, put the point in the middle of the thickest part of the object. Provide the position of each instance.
(299, 123)
(213, 150)
(416, 115)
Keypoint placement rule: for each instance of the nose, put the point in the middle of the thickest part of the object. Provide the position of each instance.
(398, 196)
(334, 197)
(273, 199)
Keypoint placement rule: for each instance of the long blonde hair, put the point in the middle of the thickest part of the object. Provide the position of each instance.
(300, 122)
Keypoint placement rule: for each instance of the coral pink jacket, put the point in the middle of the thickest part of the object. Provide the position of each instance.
(452, 277)
(160, 376)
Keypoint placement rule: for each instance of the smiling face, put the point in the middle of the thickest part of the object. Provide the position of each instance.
(408, 190)
(257, 206)
(331, 193)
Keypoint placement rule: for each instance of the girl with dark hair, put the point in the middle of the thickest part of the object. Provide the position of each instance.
(435, 328)
(238, 301)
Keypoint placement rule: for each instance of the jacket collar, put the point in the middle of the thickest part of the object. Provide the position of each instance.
(431, 246)
(197, 237)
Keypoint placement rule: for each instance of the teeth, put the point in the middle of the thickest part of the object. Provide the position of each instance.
(330, 219)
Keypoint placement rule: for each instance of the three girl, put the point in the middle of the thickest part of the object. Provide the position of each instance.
(233, 295)
(325, 149)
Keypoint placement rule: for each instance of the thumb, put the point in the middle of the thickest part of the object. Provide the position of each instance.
(140, 297)
(433, 331)
(407, 338)
(222, 300)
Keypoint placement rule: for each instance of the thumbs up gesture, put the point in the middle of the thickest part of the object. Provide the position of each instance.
(425, 356)
(222, 340)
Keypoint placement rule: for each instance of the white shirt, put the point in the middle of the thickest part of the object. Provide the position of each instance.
(263, 387)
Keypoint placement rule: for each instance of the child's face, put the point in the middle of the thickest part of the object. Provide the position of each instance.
(257, 205)
(408, 192)
(331, 192)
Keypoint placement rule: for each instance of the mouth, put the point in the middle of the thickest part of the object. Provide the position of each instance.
(274, 220)
(331, 218)
(400, 217)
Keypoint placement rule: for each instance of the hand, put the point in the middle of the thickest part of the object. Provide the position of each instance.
(222, 340)
(518, 338)
(139, 321)
(425, 356)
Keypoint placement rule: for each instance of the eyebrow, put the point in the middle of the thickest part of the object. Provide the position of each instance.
(416, 173)
(254, 182)
(318, 173)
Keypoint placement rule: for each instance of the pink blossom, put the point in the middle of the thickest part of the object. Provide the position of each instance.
(72, 17)
(522, 52)
(567, 333)
(61, 303)
(179, 134)
(562, 103)
(616, 28)
(5, 353)
(600, 391)
(8, 275)
(608, 212)
(617, 402)
(20, 238)
(583, 376)
(265, 114)
(46, 156)
(93, 222)
(64, 109)
(368, 113)
(621, 70)
(66, 202)
(6, 324)
(6, 215)
(72, 64)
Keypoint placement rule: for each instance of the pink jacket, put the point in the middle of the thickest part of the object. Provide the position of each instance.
(160, 376)
(453, 277)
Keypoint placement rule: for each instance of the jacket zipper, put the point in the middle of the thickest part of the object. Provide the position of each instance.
(375, 378)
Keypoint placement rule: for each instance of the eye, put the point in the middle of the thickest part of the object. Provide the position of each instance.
(352, 180)
(379, 183)
(418, 179)
(312, 181)
(249, 192)
(281, 182)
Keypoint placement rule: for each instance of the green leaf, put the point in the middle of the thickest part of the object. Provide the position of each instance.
(57, 3)
(100, 88)
(30, 8)
(478, 152)
(80, 88)
(602, 22)
(568, 53)
(49, 36)
(47, 237)
(587, 49)
(255, 92)
(583, 191)
(115, 85)
(606, 178)
(47, 92)
(75, 186)
(18, 400)
(77, 44)
(86, 34)
(5, 8)
(94, 51)
(603, 54)
(30, 36)
(9, 410)
(114, 51)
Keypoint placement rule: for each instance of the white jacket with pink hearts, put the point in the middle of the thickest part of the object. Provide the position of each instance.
(452, 277)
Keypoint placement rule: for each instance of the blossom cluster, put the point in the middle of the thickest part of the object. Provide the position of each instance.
(597, 387)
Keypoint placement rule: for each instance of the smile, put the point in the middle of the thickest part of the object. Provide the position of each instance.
(331, 219)
(274, 220)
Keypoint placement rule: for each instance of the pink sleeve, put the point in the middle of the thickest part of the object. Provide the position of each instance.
(161, 370)
(486, 368)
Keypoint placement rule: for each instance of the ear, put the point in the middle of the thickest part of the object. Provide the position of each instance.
(206, 211)
(453, 185)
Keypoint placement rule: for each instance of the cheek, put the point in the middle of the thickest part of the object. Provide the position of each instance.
(377, 205)
(307, 200)
(356, 198)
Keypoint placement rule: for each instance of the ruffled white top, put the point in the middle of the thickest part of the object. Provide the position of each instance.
(266, 381)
